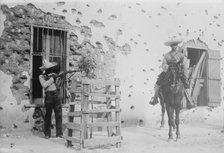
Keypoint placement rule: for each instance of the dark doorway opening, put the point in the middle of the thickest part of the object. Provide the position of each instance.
(194, 55)
(50, 44)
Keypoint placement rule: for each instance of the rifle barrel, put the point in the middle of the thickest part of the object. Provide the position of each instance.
(65, 72)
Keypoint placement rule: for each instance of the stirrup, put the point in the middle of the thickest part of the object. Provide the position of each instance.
(153, 101)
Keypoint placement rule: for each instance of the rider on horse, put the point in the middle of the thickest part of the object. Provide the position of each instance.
(174, 58)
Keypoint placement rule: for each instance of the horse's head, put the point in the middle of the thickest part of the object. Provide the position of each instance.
(172, 78)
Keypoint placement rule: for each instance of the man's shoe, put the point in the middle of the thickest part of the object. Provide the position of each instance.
(59, 136)
(70, 145)
(47, 136)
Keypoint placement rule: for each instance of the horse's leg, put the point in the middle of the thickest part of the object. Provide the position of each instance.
(172, 112)
(178, 99)
(169, 111)
(173, 122)
(163, 113)
(177, 113)
(162, 104)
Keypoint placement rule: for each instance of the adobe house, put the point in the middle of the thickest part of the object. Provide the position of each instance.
(34, 35)
(207, 89)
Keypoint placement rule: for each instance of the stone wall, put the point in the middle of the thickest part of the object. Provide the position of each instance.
(15, 46)
(15, 53)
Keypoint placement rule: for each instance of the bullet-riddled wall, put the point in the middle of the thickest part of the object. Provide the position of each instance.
(140, 29)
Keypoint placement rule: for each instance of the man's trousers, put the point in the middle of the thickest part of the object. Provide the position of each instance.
(52, 102)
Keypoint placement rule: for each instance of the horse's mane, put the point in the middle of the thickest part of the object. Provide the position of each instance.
(171, 74)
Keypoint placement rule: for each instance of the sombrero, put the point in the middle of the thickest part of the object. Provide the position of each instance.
(47, 65)
(173, 41)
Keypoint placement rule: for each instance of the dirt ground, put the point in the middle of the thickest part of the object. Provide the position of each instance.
(194, 138)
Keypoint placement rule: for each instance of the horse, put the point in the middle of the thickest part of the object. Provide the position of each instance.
(162, 104)
(163, 109)
(172, 93)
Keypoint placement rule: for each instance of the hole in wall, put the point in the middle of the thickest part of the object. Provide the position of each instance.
(140, 122)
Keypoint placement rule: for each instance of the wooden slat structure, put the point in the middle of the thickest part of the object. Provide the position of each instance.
(95, 108)
(203, 74)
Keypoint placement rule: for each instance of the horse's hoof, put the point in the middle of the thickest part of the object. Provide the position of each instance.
(178, 137)
(170, 139)
(153, 101)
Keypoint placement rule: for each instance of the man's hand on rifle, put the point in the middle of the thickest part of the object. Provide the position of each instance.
(54, 75)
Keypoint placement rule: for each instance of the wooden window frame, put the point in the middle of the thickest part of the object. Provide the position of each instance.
(45, 52)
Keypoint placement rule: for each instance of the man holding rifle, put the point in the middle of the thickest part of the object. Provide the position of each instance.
(50, 82)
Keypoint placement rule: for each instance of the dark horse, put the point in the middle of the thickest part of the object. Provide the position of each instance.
(171, 93)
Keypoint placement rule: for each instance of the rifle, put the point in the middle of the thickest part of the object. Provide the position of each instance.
(62, 74)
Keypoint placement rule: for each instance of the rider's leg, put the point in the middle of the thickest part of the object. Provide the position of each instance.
(156, 95)
(183, 78)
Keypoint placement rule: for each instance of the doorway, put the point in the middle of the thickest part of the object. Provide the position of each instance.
(194, 55)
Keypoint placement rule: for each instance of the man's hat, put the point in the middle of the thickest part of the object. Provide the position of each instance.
(46, 65)
(173, 41)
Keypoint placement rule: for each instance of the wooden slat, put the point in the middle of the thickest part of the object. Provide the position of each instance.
(93, 115)
(75, 140)
(76, 113)
(102, 124)
(84, 133)
(37, 38)
(95, 142)
(101, 111)
(117, 115)
(189, 98)
(42, 106)
(214, 102)
(65, 106)
(48, 27)
(75, 102)
(197, 86)
(33, 106)
(31, 65)
(102, 95)
(75, 91)
(115, 82)
(78, 102)
(70, 119)
(96, 102)
(196, 71)
(73, 126)
(108, 115)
